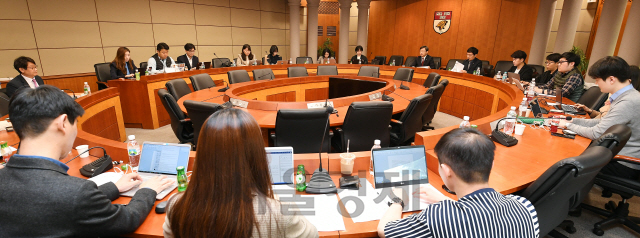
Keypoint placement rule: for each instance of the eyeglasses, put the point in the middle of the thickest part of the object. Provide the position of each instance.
(562, 61)
(192, 51)
(33, 68)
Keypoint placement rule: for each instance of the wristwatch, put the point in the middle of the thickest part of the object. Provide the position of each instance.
(397, 200)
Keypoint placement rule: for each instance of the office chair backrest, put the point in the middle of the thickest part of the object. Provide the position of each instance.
(327, 70)
(551, 193)
(381, 60)
(238, 76)
(219, 62)
(452, 62)
(432, 80)
(404, 74)
(487, 70)
(262, 74)
(103, 71)
(593, 98)
(410, 61)
(178, 88)
(369, 71)
(614, 138)
(299, 71)
(201, 81)
(264, 62)
(537, 69)
(302, 129)
(4, 104)
(635, 76)
(436, 92)
(398, 58)
(366, 122)
(199, 112)
(303, 59)
(437, 61)
(143, 67)
(175, 114)
(411, 118)
(503, 66)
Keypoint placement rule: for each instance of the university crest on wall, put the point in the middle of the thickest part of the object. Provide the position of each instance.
(442, 22)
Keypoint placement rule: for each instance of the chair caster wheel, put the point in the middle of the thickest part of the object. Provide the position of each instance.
(598, 232)
(571, 230)
(610, 206)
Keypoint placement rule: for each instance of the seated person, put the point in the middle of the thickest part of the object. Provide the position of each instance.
(161, 60)
(424, 59)
(39, 197)
(273, 57)
(552, 68)
(634, 73)
(245, 58)
(359, 58)
(188, 59)
(325, 57)
(569, 78)
(472, 63)
(230, 193)
(612, 76)
(520, 67)
(122, 66)
(28, 77)
(466, 158)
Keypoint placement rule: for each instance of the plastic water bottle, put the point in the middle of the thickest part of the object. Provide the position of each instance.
(290, 61)
(148, 72)
(87, 89)
(531, 93)
(376, 145)
(510, 124)
(202, 65)
(504, 77)
(306, 61)
(477, 71)
(133, 149)
(465, 123)
(393, 63)
(498, 75)
(137, 75)
(523, 107)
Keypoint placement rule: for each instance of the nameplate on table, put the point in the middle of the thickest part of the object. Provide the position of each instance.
(375, 96)
(394, 86)
(314, 105)
(239, 103)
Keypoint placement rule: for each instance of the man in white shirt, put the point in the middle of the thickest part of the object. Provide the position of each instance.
(28, 76)
(161, 60)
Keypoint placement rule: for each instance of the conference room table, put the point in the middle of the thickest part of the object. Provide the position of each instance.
(514, 167)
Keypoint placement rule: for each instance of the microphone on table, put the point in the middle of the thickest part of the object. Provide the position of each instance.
(225, 88)
(222, 64)
(333, 111)
(74, 93)
(96, 167)
(403, 87)
(390, 98)
(320, 182)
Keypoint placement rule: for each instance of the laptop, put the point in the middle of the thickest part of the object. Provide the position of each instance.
(161, 159)
(404, 167)
(280, 164)
(517, 83)
(564, 107)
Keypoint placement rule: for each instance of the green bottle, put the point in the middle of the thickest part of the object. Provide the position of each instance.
(301, 179)
(137, 75)
(182, 179)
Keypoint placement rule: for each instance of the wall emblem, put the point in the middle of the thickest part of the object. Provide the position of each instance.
(442, 22)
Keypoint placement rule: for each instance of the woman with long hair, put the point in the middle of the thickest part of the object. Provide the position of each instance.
(246, 57)
(122, 66)
(230, 194)
(272, 57)
(324, 58)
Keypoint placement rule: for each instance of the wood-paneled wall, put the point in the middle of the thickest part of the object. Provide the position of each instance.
(496, 27)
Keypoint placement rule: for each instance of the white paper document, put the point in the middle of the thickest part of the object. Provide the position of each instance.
(360, 204)
(321, 210)
(458, 67)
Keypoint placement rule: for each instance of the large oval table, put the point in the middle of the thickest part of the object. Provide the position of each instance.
(482, 98)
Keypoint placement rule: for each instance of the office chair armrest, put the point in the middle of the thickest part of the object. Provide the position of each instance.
(185, 120)
(394, 121)
(330, 133)
(272, 135)
(626, 159)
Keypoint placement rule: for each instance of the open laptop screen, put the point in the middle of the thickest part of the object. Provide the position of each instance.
(163, 158)
(280, 164)
(397, 166)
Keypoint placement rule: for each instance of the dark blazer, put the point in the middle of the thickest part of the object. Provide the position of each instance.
(185, 60)
(545, 77)
(273, 59)
(526, 73)
(116, 73)
(427, 62)
(19, 82)
(475, 64)
(39, 199)
(354, 59)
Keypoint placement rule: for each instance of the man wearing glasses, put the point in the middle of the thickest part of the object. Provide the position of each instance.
(189, 59)
(28, 76)
(551, 65)
(568, 78)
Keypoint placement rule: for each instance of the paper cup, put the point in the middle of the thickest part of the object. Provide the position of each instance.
(528, 112)
(83, 148)
(520, 129)
(346, 163)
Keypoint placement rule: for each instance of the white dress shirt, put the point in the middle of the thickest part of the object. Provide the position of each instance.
(30, 81)
(152, 63)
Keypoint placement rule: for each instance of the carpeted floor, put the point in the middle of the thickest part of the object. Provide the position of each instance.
(583, 224)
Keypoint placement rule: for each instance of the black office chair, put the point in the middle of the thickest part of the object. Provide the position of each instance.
(404, 74)
(4, 104)
(437, 92)
(369, 71)
(302, 129)
(263, 61)
(410, 61)
(452, 62)
(503, 66)
(221, 62)
(199, 112)
(381, 60)
(303, 60)
(398, 58)
(551, 193)
(537, 70)
(593, 98)
(201, 81)
(437, 61)
(327, 70)
(103, 73)
(364, 123)
(635, 74)
(299, 71)
(486, 69)
(262, 74)
(178, 88)
(410, 122)
(432, 80)
(143, 67)
(180, 124)
(238, 76)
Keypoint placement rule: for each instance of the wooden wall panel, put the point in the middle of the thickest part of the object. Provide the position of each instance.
(325, 20)
(282, 97)
(103, 124)
(478, 27)
(442, 45)
(74, 82)
(316, 94)
(515, 34)
(382, 22)
(409, 27)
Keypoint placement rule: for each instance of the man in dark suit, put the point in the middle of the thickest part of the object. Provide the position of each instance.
(28, 77)
(424, 59)
(472, 63)
(189, 59)
(520, 67)
(40, 199)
